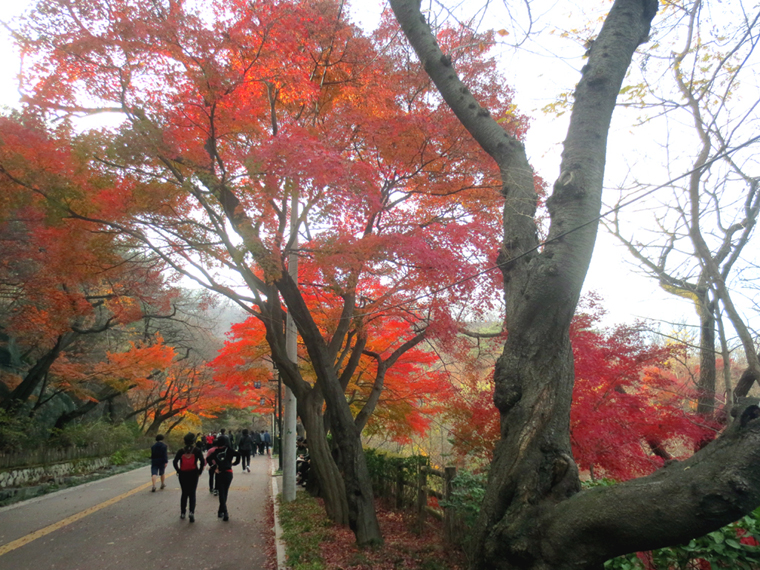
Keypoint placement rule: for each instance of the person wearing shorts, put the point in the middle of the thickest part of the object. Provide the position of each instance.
(159, 459)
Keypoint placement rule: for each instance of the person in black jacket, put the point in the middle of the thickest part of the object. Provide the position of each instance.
(159, 459)
(258, 444)
(213, 487)
(188, 463)
(245, 446)
(222, 459)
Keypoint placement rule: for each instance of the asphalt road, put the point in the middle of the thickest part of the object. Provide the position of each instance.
(118, 524)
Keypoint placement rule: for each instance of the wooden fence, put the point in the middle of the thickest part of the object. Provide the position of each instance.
(413, 490)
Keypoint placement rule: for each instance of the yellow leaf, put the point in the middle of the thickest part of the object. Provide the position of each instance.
(502, 33)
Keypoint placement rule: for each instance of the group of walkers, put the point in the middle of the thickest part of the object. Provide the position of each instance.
(252, 444)
(221, 455)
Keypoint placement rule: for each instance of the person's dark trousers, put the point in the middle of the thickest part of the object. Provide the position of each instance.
(261, 449)
(188, 481)
(211, 480)
(223, 482)
(245, 458)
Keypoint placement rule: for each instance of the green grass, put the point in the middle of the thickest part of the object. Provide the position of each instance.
(305, 526)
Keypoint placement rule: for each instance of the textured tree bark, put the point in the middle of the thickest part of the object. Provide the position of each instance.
(707, 371)
(533, 515)
(331, 486)
(362, 518)
(747, 379)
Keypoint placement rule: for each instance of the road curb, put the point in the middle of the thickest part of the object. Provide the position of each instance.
(278, 543)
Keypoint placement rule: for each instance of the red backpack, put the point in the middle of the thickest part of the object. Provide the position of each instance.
(187, 461)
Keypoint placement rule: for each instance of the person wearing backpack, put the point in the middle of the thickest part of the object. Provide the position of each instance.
(221, 460)
(245, 446)
(189, 463)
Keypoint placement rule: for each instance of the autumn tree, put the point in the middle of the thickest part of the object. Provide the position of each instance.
(69, 293)
(413, 389)
(185, 388)
(219, 140)
(86, 319)
(534, 514)
(698, 242)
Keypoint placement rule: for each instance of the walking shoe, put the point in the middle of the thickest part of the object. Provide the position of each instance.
(182, 516)
(216, 492)
(153, 490)
(163, 486)
(249, 469)
(192, 517)
(219, 515)
(226, 517)
(210, 490)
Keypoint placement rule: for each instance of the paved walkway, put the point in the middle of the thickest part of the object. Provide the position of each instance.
(117, 523)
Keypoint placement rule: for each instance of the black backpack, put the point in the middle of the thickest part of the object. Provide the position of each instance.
(223, 459)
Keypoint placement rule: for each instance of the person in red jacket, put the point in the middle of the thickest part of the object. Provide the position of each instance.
(188, 463)
(221, 459)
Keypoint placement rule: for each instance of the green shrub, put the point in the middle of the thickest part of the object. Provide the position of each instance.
(119, 458)
(722, 548)
(382, 463)
(467, 492)
(15, 432)
(92, 433)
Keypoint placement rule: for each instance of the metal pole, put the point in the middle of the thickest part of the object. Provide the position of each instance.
(279, 420)
(291, 345)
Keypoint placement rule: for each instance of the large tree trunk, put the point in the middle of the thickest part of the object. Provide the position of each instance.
(533, 470)
(746, 381)
(707, 371)
(532, 467)
(362, 518)
(331, 486)
(357, 505)
(533, 516)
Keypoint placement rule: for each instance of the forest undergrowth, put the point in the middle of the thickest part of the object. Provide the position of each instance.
(313, 542)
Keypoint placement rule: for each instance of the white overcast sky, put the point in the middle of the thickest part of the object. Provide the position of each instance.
(537, 76)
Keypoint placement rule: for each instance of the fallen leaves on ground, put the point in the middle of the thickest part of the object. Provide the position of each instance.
(403, 548)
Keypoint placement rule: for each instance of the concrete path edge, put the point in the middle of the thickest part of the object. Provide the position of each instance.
(278, 542)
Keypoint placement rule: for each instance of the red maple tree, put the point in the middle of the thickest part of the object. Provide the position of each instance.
(220, 139)
(629, 412)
